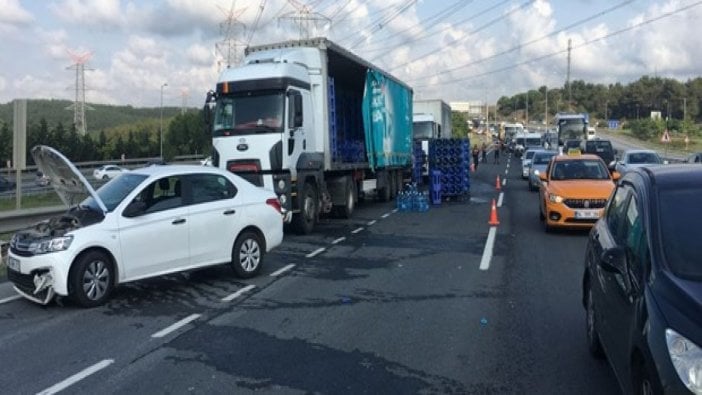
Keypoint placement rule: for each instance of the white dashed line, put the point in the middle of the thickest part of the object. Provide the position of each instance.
(176, 326)
(77, 377)
(394, 211)
(282, 270)
(315, 252)
(372, 222)
(506, 171)
(238, 293)
(357, 230)
(339, 240)
(10, 299)
(504, 181)
(385, 215)
(499, 199)
(487, 252)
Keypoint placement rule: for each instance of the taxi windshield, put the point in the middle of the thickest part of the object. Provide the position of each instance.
(586, 169)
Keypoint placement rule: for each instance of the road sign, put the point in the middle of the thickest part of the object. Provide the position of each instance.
(613, 124)
(666, 137)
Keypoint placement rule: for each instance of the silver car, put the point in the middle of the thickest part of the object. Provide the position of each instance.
(632, 159)
(539, 163)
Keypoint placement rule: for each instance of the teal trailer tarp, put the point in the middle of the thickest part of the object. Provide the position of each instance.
(387, 121)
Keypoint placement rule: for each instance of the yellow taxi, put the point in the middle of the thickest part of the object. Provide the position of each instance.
(574, 190)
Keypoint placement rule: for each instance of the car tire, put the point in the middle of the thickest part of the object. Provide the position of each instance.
(593, 337)
(91, 279)
(247, 254)
(304, 221)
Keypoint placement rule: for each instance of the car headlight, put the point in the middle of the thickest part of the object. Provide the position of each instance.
(687, 360)
(555, 198)
(51, 245)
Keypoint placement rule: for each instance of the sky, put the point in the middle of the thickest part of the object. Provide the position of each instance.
(456, 50)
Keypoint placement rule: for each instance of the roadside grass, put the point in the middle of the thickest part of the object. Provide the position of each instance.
(47, 199)
(676, 147)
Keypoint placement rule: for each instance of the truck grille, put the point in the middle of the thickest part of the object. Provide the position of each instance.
(585, 203)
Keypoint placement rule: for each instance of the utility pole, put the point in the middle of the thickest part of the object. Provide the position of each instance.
(165, 84)
(546, 107)
(570, 91)
(305, 17)
(230, 29)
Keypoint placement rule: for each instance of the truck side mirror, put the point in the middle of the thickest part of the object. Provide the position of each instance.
(295, 109)
(207, 110)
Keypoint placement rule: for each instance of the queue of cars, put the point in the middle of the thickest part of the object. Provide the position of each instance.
(642, 278)
(147, 222)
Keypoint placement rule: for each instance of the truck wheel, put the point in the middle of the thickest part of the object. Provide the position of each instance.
(393, 184)
(91, 279)
(399, 181)
(384, 193)
(346, 210)
(303, 222)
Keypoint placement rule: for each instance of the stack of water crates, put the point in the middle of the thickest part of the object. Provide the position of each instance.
(418, 159)
(452, 158)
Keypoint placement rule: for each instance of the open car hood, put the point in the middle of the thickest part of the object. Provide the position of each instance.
(66, 179)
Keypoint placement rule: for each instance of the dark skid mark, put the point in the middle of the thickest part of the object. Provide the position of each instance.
(428, 245)
(262, 361)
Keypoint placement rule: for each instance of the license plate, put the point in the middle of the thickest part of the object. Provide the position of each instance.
(587, 214)
(13, 263)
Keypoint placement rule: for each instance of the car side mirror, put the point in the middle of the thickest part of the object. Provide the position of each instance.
(612, 165)
(543, 176)
(134, 209)
(613, 260)
(616, 176)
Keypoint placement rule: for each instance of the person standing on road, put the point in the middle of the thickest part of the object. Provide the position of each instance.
(476, 154)
(483, 151)
(497, 153)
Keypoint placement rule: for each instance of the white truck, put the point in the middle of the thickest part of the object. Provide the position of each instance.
(431, 120)
(313, 122)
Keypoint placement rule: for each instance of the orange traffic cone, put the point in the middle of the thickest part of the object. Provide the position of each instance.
(498, 185)
(493, 215)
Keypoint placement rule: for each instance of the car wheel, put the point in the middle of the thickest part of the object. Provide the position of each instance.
(303, 222)
(593, 337)
(247, 254)
(105, 177)
(91, 279)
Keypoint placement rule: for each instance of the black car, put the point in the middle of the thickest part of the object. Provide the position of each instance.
(601, 148)
(694, 158)
(6, 185)
(642, 284)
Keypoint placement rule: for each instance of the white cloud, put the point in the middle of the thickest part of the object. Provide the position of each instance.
(200, 55)
(12, 13)
(105, 14)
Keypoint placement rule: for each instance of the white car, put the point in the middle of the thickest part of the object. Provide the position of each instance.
(107, 172)
(637, 158)
(526, 161)
(148, 222)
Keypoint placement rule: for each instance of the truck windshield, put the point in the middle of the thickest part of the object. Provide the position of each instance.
(236, 115)
(422, 130)
(571, 129)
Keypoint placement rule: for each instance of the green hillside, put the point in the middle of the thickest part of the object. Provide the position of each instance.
(101, 117)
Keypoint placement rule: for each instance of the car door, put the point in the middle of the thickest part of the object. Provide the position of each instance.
(607, 234)
(625, 290)
(215, 218)
(156, 240)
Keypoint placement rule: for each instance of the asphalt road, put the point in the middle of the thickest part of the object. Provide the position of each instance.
(395, 303)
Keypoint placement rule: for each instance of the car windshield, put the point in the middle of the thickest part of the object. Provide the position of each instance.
(261, 113)
(598, 146)
(533, 141)
(529, 154)
(643, 157)
(679, 213)
(586, 169)
(115, 191)
(542, 158)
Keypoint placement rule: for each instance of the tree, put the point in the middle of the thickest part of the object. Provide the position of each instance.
(459, 124)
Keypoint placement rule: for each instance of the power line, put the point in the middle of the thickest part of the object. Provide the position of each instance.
(482, 27)
(371, 24)
(385, 21)
(522, 45)
(261, 7)
(559, 52)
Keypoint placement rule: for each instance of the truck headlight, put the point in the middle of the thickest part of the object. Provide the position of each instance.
(52, 245)
(555, 198)
(687, 360)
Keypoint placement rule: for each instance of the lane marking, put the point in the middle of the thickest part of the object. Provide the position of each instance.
(394, 211)
(238, 293)
(176, 326)
(504, 181)
(315, 252)
(58, 387)
(385, 215)
(499, 199)
(10, 299)
(506, 171)
(339, 240)
(372, 222)
(357, 230)
(487, 252)
(282, 270)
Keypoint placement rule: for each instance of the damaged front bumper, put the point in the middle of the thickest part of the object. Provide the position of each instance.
(37, 287)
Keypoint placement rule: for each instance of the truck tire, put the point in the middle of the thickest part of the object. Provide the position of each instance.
(385, 193)
(304, 221)
(393, 185)
(346, 210)
(399, 181)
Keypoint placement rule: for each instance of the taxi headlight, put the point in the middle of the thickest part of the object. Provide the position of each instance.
(687, 360)
(555, 198)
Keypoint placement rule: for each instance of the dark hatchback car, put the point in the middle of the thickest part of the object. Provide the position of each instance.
(642, 284)
(601, 148)
(6, 185)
